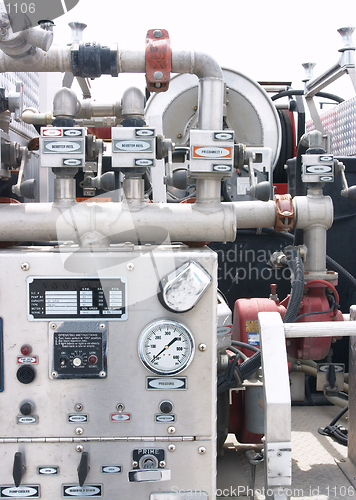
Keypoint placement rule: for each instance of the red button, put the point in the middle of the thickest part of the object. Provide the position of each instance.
(26, 349)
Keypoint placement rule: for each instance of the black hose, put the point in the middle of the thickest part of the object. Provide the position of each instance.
(296, 267)
(317, 312)
(291, 93)
(339, 415)
(245, 346)
(336, 431)
(250, 366)
(331, 262)
(341, 270)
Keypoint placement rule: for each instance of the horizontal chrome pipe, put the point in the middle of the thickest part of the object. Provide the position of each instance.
(154, 222)
(320, 329)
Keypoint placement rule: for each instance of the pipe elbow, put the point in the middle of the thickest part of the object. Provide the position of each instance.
(206, 67)
(196, 63)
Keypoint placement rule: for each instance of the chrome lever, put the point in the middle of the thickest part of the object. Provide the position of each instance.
(145, 475)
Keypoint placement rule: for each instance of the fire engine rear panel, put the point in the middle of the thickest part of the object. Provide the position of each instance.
(75, 393)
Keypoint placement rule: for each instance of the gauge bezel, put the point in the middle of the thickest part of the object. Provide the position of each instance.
(141, 349)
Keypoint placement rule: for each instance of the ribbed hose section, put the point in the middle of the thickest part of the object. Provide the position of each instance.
(248, 367)
(341, 270)
(295, 264)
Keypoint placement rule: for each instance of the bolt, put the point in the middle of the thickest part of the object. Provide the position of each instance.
(134, 464)
(102, 326)
(201, 450)
(157, 34)
(120, 407)
(171, 447)
(202, 347)
(195, 108)
(158, 75)
(279, 454)
(179, 136)
(130, 266)
(162, 463)
(78, 407)
(25, 266)
(53, 326)
(171, 430)
(79, 448)
(54, 374)
(102, 374)
(79, 431)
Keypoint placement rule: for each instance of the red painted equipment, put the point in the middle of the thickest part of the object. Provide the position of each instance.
(245, 329)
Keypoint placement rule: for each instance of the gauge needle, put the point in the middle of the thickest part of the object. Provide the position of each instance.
(165, 347)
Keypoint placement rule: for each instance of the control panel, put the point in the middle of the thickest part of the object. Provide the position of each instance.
(102, 384)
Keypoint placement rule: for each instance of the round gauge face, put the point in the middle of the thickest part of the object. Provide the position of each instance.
(166, 347)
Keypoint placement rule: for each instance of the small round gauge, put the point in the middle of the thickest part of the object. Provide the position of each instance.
(166, 347)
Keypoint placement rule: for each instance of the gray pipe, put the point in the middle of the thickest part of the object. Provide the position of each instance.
(57, 59)
(182, 222)
(133, 102)
(65, 103)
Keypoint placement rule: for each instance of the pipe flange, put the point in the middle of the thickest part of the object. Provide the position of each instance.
(158, 60)
(285, 212)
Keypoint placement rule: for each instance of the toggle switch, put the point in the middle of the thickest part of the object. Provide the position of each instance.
(83, 468)
(18, 469)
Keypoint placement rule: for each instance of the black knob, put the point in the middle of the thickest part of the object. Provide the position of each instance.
(26, 408)
(166, 406)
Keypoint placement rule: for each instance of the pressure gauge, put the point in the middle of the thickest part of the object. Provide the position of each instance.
(166, 347)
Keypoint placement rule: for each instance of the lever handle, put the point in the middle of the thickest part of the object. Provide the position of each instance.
(83, 468)
(145, 475)
(18, 469)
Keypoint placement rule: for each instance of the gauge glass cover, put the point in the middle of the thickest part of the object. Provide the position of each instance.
(166, 347)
